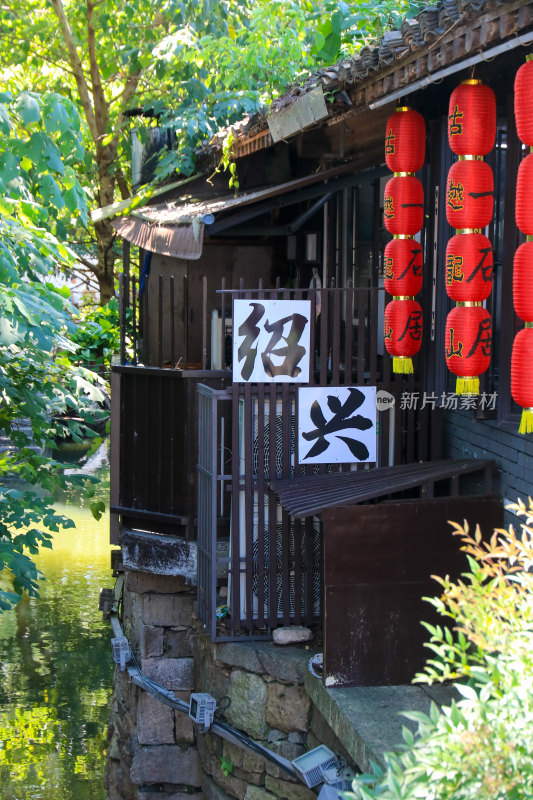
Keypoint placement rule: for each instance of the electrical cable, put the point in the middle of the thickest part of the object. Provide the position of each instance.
(223, 729)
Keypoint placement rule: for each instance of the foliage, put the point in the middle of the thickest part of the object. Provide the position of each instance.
(195, 66)
(482, 745)
(39, 145)
(97, 333)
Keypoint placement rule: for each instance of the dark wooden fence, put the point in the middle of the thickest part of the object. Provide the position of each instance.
(258, 566)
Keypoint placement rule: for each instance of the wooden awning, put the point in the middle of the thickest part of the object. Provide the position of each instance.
(311, 494)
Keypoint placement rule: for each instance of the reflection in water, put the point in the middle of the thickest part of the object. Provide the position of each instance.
(57, 672)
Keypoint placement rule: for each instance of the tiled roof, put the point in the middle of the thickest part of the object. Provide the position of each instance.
(439, 36)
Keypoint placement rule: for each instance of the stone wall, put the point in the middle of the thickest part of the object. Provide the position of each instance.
(155, 753)
(152, 752)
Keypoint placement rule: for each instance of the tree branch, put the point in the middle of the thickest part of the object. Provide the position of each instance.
(130, 87)
(122, 184)
(77, 68)
(101, 107)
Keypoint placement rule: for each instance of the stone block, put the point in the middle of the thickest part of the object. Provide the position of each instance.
(160, 555)
(283, 664)
(285, 790)
(211, 790)
(297, 737)
(143, 582)
(179, 643)
(292, 634)
(257, 793)
(169, 609)
(287, 750)
(233, 753)
(287, 707)
(150, 641)
(253, 763)
(166, 764)
(251, 778)
(171, 673)
(155, 721)
(248, 695)
(184, 728)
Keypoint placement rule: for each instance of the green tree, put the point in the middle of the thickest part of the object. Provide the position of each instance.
(481, 747)
(40, 146)
(206, 62)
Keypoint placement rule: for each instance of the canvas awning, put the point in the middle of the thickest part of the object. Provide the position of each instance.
(176, 228)
(177, 241)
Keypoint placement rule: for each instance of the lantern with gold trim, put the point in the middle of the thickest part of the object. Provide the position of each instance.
(405, 140)
(403, 266)
(403, 205)
(522, 355)
(468, 345)
(469, 208)
(404, 216)
(403, 332)
(472, 119)
(469, 266)
(523, 105)
(522, 376)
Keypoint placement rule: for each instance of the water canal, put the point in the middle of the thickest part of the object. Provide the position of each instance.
(57, 671)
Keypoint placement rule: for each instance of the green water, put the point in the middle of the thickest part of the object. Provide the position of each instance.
(57, 672)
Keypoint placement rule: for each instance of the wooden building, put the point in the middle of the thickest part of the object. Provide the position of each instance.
(203, 456)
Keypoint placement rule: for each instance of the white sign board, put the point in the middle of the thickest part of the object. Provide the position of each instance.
(336, 424)
(271, 341)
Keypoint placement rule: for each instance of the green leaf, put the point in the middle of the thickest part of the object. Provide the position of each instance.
(51, 191)
(97, 509)
(28, 107)
(467, 691)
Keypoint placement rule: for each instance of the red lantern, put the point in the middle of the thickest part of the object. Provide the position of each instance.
(523, 103)
(524, 206)
(469, 194)
(472, 119)
(523, 282)
(404, 205)
(403, 332)
(403, 261)
(405, 140)
(468, 345)
(522, 377)
(469, 265)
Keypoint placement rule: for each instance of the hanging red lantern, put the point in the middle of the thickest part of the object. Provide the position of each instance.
(469, 194)
(403, 332)
(523, 102)
(522, 377)
(472, 119)
(469, 265)
(468, 345)
(404, 205)
(524, 206)
(405, 140)
(523, 282)
(403, 262)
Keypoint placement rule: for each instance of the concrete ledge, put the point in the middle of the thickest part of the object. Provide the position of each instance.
(159, 555)
(367, 719)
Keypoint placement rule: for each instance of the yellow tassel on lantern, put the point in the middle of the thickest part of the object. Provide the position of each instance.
(402, 365)
(468, 386)
(526, 422)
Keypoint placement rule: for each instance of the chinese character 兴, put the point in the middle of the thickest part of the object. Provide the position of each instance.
(342, 420)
